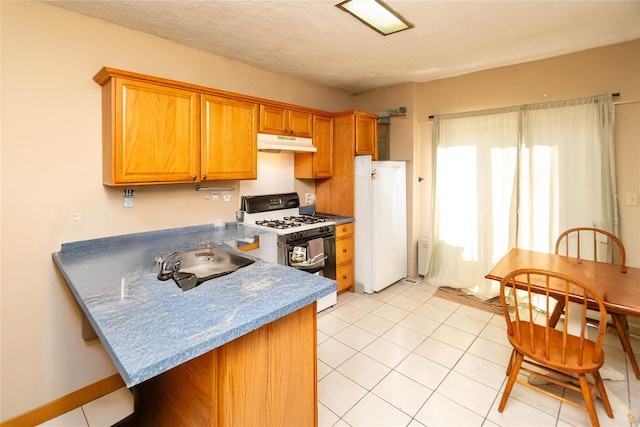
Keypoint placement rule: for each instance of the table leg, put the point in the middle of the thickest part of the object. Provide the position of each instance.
(624, 340)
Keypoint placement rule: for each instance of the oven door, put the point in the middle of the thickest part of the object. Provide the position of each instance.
(291, 252)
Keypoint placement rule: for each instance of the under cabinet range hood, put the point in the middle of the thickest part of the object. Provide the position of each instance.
(278, 143)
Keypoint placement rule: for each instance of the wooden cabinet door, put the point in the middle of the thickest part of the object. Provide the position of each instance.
(229, 141)
(345, 277)
(344, 250)
(300, 123)
(320, 163)
(323, 140)
(154, 136)
(366, 136)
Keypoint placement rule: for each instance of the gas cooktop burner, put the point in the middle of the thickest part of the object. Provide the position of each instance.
(277, 223)
(305, 219)
(291, 221)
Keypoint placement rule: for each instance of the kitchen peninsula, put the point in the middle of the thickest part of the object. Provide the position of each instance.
(239, 349)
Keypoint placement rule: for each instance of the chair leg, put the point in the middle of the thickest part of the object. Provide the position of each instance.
(510, 365)
(515, 368)
(603, 393)
(588, 400)
(624, 340)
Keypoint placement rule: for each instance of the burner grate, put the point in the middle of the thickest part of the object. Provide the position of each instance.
(305, 219)
(291, 222)
(277, 223)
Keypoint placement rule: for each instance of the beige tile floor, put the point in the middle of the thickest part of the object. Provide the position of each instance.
(402, 357)
(102, 412)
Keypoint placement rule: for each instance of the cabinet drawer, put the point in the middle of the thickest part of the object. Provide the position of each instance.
(344, 276)
(344, 229)
(344, 250)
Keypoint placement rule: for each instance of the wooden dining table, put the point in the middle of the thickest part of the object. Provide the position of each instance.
(620, 291)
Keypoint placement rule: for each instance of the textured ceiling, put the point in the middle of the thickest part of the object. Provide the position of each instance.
(313, 40)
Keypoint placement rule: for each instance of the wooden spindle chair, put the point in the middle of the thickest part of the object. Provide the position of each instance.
(597, 245)
(566, 352)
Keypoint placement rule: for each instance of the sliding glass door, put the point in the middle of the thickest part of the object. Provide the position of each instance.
(516, 177)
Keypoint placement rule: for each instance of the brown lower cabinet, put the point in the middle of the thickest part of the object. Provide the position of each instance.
(267, 377)
(344, 257)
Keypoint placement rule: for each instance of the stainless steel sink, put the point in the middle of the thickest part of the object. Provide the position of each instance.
(189, 268)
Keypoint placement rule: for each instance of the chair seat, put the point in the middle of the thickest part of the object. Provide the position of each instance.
(554, 359)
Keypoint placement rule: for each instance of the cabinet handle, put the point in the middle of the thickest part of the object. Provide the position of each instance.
(344, 276)
(193, 177)
(344, 250)
(204, 177)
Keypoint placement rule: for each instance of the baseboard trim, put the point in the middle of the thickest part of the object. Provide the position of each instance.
(66, 403)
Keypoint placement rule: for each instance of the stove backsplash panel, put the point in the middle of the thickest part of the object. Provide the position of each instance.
(275, 175)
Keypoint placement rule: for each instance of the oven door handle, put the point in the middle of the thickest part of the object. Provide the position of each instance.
(310, 263)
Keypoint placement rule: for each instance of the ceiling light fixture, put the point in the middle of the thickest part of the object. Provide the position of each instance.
(376, 15)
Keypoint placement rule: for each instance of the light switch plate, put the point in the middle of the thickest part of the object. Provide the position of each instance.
(632, 199)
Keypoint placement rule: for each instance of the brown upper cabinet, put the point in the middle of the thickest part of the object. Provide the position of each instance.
(283, 121)
(158, 131)
(150, 133)
(320, 163)
(366, 134)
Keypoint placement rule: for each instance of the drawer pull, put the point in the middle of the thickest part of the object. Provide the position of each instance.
(344, 276)
(344, 250)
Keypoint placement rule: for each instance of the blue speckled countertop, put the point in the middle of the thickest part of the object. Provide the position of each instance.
(342, 219)
(338, 219)
(149, 326)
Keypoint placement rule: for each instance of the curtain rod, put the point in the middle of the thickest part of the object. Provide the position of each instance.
(613, 94)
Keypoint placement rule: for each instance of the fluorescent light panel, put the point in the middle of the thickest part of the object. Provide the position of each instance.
(376, 15)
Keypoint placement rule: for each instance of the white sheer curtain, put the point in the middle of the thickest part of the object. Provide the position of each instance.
(517, 176)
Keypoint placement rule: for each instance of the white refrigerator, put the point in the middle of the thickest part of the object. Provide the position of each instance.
(380, 223)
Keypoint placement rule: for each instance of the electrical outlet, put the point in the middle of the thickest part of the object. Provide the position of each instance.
(632, 199)
(309, 198)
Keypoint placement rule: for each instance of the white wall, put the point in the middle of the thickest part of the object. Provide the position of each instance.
(51, 167)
